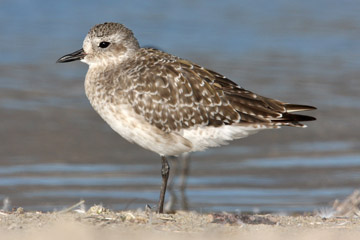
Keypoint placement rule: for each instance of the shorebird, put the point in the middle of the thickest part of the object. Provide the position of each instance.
(167, 104)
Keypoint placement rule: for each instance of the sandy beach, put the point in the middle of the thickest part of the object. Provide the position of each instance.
(76, 222)
(102, 223)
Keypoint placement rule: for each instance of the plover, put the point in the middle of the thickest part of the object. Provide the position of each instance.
(167, 104)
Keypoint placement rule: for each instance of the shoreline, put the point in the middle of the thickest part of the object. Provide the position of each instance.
(75, 222)
(100, 222)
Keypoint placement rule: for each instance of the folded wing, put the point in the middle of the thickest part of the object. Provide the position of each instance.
(174, 94)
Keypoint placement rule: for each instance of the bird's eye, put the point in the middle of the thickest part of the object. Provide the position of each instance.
(104, 44)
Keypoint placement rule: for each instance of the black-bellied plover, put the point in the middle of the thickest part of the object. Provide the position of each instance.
(169, 105)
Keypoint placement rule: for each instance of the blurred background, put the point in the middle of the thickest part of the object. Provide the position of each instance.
(55, 150)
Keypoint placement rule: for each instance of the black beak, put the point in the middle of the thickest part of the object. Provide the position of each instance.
(77, 55)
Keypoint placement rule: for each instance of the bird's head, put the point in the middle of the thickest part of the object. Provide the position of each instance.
(105, 44)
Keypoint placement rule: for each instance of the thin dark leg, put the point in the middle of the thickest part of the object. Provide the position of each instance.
(165, 170)
(170, 189)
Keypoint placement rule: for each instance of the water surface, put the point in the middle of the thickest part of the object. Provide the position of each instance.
(55, 150)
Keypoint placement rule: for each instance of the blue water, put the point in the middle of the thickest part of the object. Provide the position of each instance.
(54, 150)
(272, 188)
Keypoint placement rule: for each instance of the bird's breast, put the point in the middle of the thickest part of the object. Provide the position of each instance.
(113, 107)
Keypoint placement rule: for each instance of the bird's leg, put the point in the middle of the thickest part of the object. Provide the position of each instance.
(165, 170)
(183, 178)
(170, 189)
(185, 169)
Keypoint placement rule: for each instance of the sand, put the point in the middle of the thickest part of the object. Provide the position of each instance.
(101, 223)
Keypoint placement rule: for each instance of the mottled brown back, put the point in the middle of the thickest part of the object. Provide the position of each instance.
(173, 94)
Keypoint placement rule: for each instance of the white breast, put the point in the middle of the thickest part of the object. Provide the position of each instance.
(123, 120)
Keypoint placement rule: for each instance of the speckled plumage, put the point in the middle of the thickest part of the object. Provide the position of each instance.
(175, 106)
(167, 104)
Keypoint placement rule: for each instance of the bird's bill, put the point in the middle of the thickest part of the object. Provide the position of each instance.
(77, 55)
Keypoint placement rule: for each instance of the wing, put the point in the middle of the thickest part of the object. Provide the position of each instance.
(174, 94)
(256, 109)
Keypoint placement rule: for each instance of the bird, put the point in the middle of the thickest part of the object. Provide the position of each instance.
(167, 104)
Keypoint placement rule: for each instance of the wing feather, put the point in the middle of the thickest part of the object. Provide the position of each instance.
(173, 94)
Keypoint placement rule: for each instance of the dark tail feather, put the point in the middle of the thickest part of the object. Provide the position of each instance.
(288, 117)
